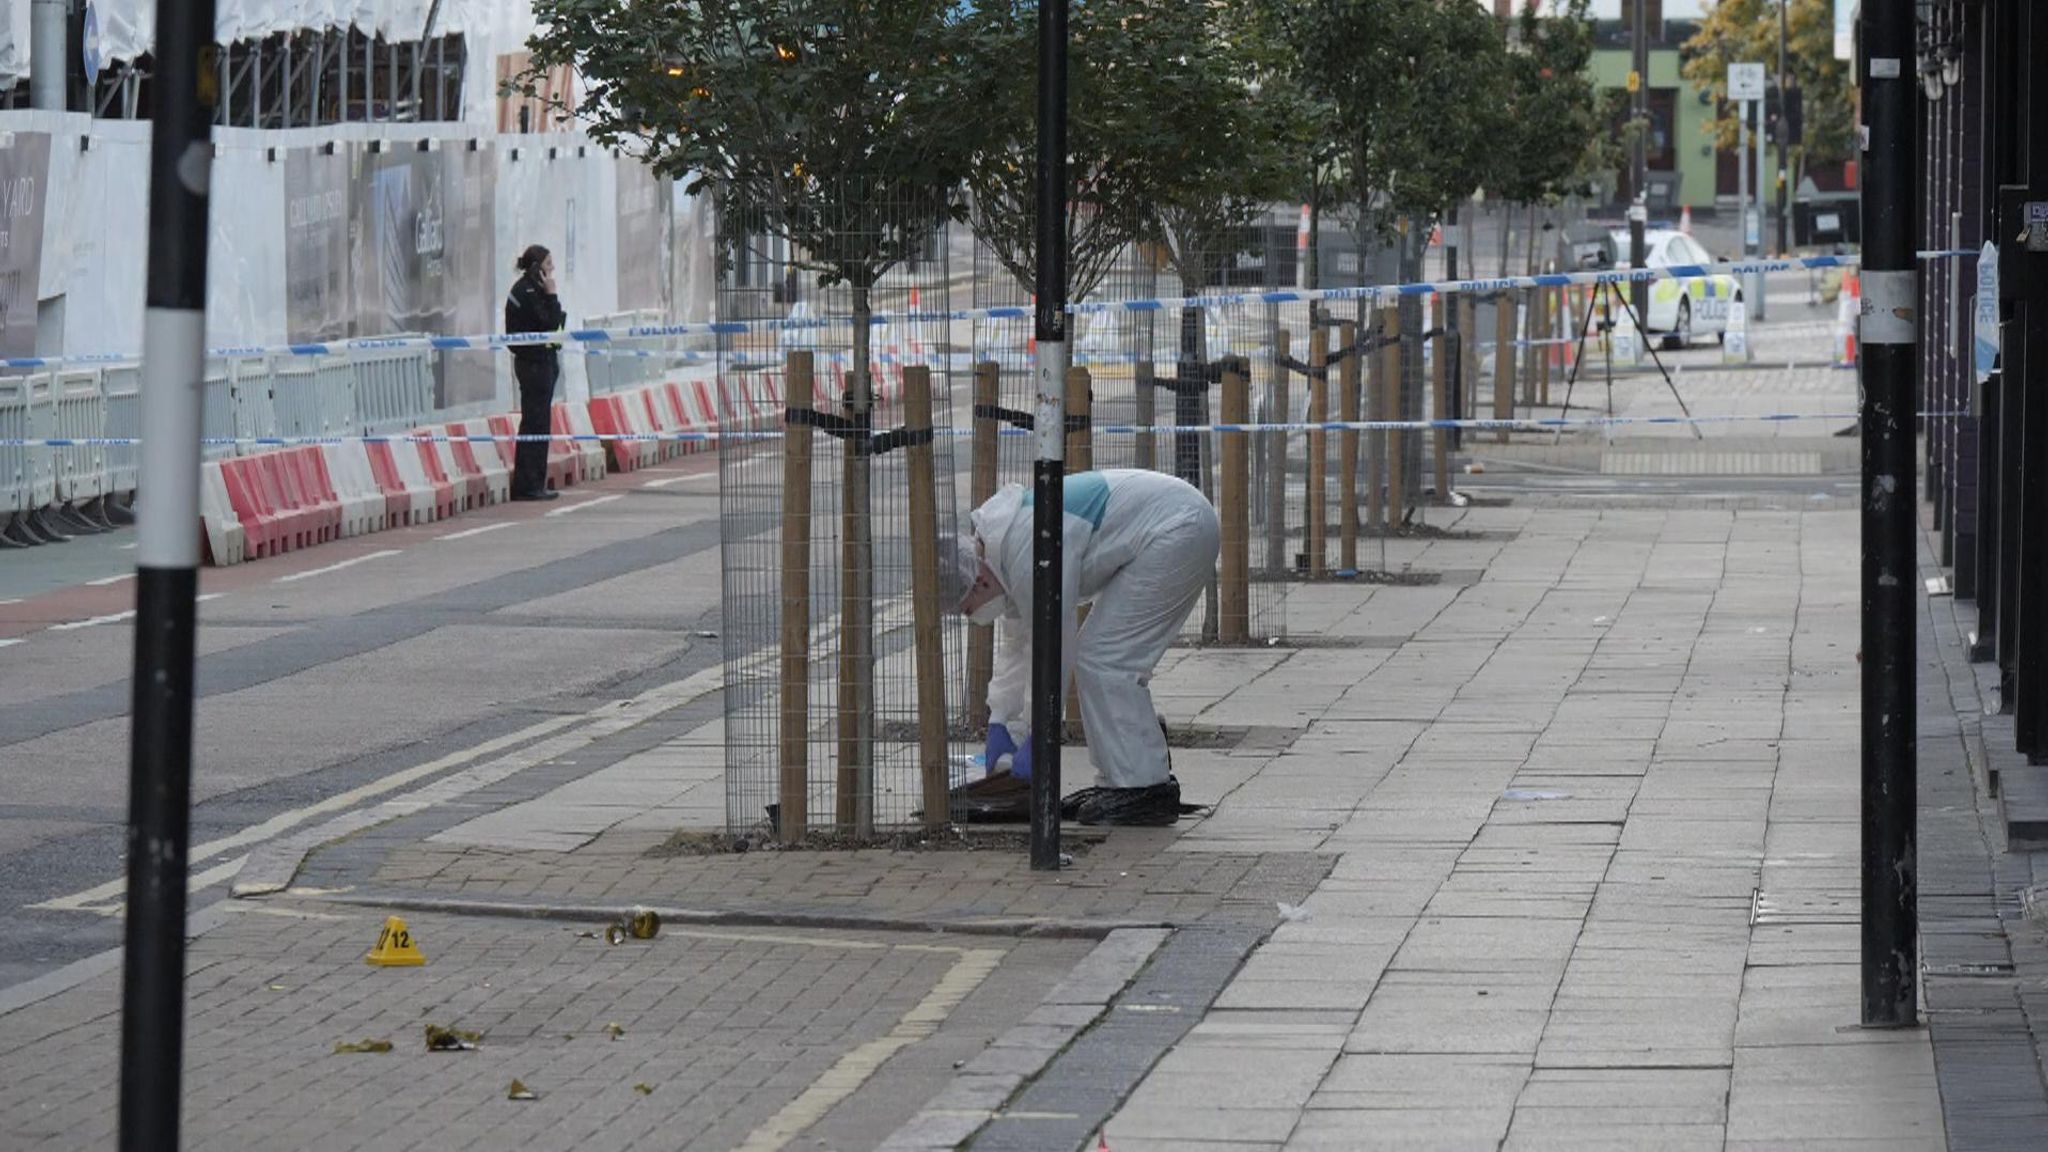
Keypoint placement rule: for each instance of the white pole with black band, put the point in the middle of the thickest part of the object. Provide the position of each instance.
(167, 576)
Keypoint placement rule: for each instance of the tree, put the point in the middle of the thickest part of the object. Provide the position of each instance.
(834, 124)
(1417, 87)
(1312, 140)
(1747, 30)
(1132, 67)
(1222, 136)
(843, 126)
(1551, 102)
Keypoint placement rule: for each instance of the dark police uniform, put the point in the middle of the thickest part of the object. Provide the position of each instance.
(532, 308)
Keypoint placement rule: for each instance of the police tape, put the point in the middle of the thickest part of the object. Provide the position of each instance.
(1529, 423)
(581, 339)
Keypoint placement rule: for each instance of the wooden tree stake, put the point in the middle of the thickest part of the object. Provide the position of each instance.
(981, 638)
(1318, 453)
(925, 609)
(1234, 585)
(793, 773)
(1348, 401)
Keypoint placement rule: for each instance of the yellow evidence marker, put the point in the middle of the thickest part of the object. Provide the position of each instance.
(395, 947)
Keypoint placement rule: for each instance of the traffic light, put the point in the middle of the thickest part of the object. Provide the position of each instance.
(1786, 125)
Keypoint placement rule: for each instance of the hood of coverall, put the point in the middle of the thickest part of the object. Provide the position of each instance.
(1001, 515)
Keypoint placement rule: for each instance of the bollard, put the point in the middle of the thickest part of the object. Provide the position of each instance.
(1080, 458)
(1439, 373)
(1503, 362)
(981, 638)
(1318, 451)
(1233, 593)
(925, 608)
(793, 779)
(1347, 449)
(1397, 454)
(1278, 411)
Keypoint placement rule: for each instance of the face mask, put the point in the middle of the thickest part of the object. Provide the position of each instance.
(995, 609)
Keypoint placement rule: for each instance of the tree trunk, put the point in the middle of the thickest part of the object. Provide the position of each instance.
(1507, 235)
(1314, 254)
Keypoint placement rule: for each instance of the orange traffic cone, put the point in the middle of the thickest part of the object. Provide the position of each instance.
(1685, 220)
(1848, 314)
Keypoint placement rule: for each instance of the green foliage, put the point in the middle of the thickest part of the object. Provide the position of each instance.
(1418, 91)
(835, 124)
(1158, 115)
(1747, 30)
(1551, 109)
(1221, 137)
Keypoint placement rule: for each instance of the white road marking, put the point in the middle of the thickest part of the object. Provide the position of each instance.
(193, 883)
(578, 507)
(16, 600)
(683, 479)
(466, 533)
(9, 643)
(285, 821)
(127, 546)
(853, 1069)
(103, 581)
(349, 563)
(93, 620)
(243, 907)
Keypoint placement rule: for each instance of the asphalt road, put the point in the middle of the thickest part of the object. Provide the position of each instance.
(326, 670)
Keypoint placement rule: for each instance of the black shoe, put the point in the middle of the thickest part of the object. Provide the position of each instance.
(1070, 805)
(1157, 806)
(550, 494)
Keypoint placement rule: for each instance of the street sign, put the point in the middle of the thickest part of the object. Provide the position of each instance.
(1987, 334)
(89, 47)
(1746, 81)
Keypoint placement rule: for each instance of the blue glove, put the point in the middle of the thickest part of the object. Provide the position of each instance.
(1000, 743)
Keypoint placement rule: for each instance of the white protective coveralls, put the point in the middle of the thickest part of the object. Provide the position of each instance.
(1140, 546)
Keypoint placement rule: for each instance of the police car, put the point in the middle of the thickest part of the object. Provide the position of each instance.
(1681, 309)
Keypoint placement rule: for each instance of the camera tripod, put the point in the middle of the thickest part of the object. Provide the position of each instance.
(1606, 294)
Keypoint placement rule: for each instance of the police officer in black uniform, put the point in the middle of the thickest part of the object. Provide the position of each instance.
(533, 307)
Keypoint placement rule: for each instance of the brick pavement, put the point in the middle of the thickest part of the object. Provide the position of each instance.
(1573, 842)
(729, 1029)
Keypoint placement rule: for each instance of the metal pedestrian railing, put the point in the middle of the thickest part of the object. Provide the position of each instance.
(93, 415)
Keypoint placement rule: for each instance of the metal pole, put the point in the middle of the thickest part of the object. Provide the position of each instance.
(1784, 138)
(167, 578)
(48, 59)
(1889, 333)
(1049, 474)
(1756, 299)
(1639, 158)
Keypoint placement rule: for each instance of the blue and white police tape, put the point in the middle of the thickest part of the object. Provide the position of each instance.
(581, 338)
(1533, 423)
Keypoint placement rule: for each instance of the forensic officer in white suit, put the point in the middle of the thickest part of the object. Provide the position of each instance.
(1139, 547)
